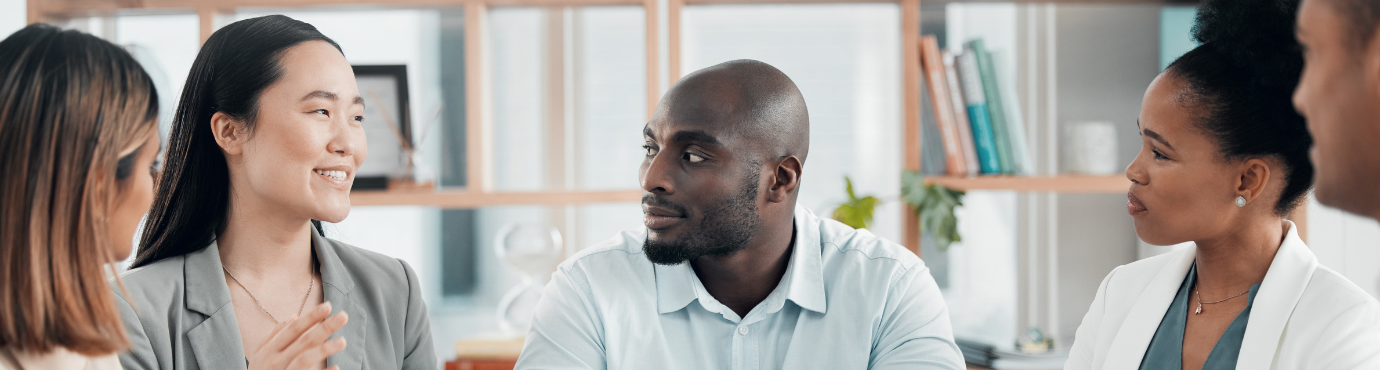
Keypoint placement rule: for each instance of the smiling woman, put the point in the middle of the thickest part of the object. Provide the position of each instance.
(266, 140)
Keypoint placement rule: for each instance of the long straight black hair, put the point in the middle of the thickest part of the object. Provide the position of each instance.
(233, 68)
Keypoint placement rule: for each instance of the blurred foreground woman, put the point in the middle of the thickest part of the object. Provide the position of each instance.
(78, 139)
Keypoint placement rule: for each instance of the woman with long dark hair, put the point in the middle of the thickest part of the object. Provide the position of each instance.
(1224, 159)
(231, 273)
(78, 141)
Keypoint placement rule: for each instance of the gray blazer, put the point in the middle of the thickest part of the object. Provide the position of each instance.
(178, 312)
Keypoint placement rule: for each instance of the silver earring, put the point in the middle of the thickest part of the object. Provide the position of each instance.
(1240, 201)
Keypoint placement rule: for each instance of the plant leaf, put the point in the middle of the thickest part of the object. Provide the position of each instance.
(934, 205)
(855, 212)
(913, 189)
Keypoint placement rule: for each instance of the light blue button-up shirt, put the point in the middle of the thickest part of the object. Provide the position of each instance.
(848, 300)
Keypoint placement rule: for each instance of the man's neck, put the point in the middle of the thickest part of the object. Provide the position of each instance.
(744, 279)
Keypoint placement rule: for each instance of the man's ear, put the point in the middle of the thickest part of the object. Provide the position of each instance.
(786, 179)
(229, 132)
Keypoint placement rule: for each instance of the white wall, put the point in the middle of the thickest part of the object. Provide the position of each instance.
(13, 16)
(844, 59)
(982, 291)
(1346, 243)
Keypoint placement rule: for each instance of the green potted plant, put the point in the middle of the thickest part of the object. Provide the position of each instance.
(933, 204)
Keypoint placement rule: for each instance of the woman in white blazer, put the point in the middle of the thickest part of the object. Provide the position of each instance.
(1224, 158)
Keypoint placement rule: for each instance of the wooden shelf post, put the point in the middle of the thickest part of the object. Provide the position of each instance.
(910, 67)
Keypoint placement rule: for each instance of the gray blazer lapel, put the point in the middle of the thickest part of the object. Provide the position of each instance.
(336, 285)
(216, 341)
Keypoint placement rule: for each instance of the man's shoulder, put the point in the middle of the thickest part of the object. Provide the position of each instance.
(623, 252)
(862, 248)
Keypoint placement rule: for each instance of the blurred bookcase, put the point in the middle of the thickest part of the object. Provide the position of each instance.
(480, 192)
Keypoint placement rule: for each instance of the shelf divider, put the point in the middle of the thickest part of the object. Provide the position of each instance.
(460, 199)
(1058, 184)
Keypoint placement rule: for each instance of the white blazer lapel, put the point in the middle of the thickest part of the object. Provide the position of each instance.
(1274, 303)
(1133, 338)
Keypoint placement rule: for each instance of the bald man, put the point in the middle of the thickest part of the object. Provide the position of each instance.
(729, 273)
(1339, 94)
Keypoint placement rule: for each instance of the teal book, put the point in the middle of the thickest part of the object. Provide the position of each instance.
(996, 112)
(984, 144)
(1015, 122)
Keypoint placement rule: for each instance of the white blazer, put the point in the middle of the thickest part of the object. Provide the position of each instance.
(1305, 316)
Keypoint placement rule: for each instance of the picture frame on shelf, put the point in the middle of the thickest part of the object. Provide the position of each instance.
(387, 124)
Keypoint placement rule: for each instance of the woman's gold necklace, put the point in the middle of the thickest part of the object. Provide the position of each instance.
(310, 284)
(1201, 303)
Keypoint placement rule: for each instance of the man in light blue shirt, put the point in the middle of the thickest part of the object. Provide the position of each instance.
(730, 273)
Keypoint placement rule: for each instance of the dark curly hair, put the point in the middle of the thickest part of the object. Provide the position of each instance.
(1241, 79)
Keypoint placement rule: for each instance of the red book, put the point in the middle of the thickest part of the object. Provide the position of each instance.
(965, 128)
(932, 64)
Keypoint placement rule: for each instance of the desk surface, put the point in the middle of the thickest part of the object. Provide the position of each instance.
(501, 354)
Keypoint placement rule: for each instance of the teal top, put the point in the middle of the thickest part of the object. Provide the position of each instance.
(1166, 347)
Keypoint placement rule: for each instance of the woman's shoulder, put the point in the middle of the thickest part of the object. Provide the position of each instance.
(58, 359)
(153, 280)
(370, 267)
(1141, 273)
(1329, 293)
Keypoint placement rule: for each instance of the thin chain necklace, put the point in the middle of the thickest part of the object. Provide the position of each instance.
(310, 284)
(1201, 303)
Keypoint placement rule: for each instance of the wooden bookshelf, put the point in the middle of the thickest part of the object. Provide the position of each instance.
(479, 150)
(456, 199)
(1057, 184)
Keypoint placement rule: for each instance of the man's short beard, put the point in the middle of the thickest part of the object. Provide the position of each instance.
(722, 231)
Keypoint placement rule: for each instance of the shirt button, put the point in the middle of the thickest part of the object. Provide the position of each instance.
(742, 330)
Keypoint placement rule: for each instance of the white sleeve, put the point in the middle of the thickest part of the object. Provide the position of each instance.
(567, 332)
(915, 331)
(1351, 340)
(1085, 340)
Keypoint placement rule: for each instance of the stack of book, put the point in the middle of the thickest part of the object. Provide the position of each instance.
(974, 110)
(1009, 358)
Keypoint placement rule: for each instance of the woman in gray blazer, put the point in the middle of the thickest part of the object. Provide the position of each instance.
(232, 270)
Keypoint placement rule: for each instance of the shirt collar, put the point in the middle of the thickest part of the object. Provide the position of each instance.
(677, 285)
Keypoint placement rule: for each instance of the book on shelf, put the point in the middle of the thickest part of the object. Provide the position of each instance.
(960, 109)
(936, 83)
(996, 111)
(933, 160)
(1015, 121)
(971, 115)
(976, 101)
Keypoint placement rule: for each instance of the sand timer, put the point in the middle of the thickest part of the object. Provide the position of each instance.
(532, 250)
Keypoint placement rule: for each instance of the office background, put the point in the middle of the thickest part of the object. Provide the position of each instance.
(566, 98)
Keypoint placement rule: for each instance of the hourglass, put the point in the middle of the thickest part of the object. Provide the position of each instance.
(533, 250)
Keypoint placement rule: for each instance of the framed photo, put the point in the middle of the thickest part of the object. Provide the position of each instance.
(387, 124)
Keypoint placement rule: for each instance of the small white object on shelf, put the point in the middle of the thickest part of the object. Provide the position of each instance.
(1090, 148)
